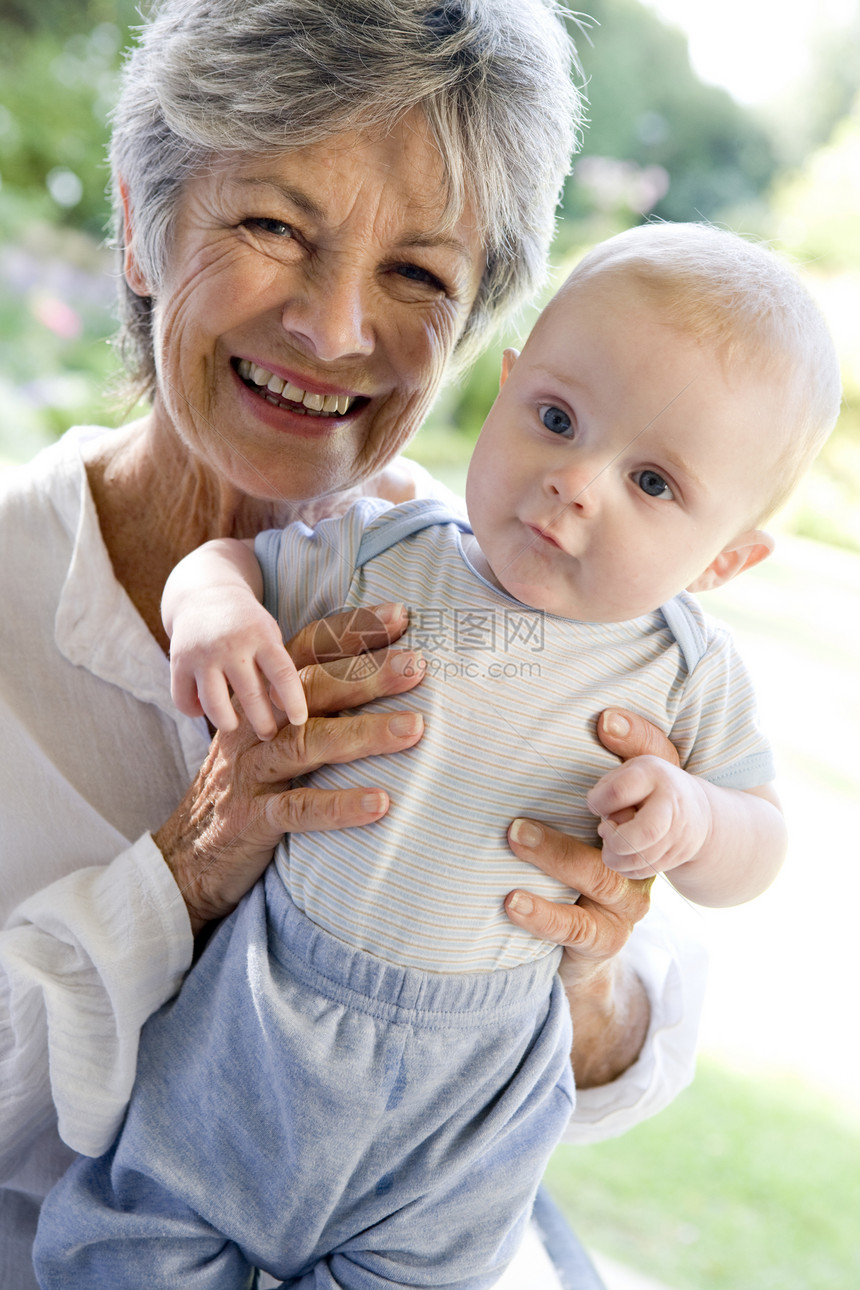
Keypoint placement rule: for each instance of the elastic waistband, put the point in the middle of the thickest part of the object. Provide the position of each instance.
(403, 995)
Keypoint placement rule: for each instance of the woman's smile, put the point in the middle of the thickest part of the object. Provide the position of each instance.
(296, 405)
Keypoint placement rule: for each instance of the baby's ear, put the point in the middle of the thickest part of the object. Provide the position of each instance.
(509, 357)
(745, 551)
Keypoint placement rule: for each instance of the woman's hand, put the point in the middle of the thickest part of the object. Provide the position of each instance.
(223, 833)
(608, 1002)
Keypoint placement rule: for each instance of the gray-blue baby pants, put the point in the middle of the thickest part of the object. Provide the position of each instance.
(309, 1109)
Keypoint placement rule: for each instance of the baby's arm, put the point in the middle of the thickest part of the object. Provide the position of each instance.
(220, 636)
(720, 846)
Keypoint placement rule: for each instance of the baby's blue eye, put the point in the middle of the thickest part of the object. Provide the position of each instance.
(655, 485)
(555, 420)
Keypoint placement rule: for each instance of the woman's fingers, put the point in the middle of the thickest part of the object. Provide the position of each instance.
(609, 905)
(350, 682)
(310, 810)
(324, 689)
(223, 834)
(297, 750)
(628, 735)
(546, 919)
(574, 863)
(351, 632)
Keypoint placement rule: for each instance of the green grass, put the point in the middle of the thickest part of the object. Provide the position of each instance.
(742, 1184)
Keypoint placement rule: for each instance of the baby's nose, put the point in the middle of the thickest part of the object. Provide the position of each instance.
(577, 486)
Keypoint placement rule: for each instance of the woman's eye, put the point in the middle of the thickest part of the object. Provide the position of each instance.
(655, 485)
(556, 420)
(276, 227)
(415, 273)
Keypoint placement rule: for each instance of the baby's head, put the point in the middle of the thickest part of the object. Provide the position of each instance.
(738, 299)
(668, 400)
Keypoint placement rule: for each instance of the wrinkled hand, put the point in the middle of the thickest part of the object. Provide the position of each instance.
(654, 817)
(608, 1003)
(597, 927)
(609, 1007)
(223, 834)
(609, 906)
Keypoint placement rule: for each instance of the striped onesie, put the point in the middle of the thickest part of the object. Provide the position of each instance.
(364, 1074)
(510, 705)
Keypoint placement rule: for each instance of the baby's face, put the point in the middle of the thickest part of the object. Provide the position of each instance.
(618, 461)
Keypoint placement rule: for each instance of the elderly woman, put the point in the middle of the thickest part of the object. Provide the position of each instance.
(321, 206)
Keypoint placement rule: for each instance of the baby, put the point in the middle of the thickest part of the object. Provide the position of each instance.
(362, 1078)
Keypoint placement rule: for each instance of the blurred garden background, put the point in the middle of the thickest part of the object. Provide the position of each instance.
(751, 1181)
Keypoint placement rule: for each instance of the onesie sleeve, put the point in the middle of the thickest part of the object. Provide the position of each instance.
(307, 572)
(716, 729)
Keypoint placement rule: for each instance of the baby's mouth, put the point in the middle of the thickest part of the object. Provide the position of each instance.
(284, 394)
(543, 533)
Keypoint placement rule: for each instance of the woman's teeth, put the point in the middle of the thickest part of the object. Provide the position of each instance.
(280, 391)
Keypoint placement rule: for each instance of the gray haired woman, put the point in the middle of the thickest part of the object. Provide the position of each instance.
(321, 206)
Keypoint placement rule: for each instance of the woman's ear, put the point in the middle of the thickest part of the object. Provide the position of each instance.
(745, 551)
(509, 357)
(130, 267)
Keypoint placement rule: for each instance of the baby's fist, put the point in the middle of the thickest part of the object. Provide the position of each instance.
(654, 816)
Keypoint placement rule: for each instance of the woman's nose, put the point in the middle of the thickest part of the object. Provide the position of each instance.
(330, 317)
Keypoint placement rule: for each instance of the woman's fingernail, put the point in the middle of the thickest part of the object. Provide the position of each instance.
(526, 834)
(391, 615)
(615, 724)
(521, 903)
(403, 663)
(406, 723)
(373, 803)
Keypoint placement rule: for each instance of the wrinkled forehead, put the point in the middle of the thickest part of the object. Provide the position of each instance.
(404, 156)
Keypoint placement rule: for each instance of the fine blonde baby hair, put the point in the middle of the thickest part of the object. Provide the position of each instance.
(741, 298)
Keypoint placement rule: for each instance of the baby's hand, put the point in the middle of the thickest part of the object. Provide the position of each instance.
(225, 638)
(654, 816)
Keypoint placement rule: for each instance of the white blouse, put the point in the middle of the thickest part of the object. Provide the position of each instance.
(96, 936)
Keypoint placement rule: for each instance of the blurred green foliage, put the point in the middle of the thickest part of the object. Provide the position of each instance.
(58, 71)
(803, 119)
(815, 216)
(741, 1182)
(683, 150)
(56, 98)
(660, 143)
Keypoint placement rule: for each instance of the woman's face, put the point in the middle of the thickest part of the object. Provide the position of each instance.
(308, 310)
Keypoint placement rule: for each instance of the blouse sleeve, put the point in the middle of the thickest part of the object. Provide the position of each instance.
(667, 954)
(83, 963)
